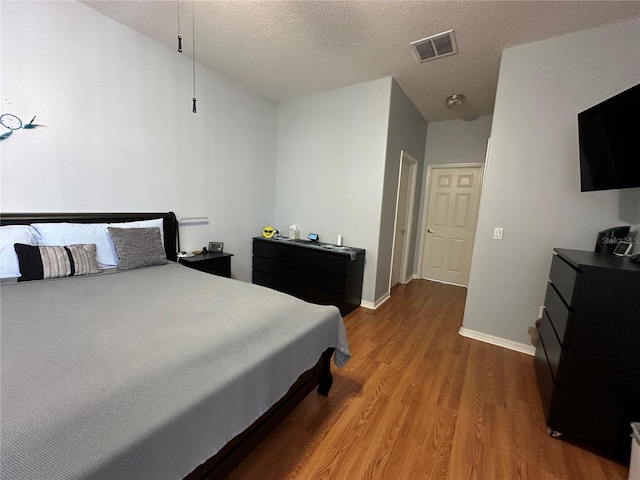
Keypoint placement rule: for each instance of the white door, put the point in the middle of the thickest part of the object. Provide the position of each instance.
(404, 216)
(452, 214)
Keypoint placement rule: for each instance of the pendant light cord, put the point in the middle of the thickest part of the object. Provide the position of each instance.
(193, 20)
(179, 35)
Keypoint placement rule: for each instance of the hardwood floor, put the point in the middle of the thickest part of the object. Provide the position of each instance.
(419, 401)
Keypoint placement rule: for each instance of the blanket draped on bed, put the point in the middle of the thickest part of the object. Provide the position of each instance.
(145, 373)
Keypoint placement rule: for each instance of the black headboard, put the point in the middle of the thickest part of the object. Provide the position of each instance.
(170, 222)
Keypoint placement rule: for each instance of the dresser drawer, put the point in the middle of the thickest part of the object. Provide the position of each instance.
(307, 292)
(551, 344)
(317, 278)
(561, 316)
(546, 385)
(274, 267)
(322, 279)
(565, 278)
(321, 260)
(275, 282)
(274, 251)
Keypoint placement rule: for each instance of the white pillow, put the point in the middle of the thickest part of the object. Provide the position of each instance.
(56, 234)
(10, 235)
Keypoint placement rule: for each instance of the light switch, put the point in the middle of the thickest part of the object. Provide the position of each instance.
(497, 233)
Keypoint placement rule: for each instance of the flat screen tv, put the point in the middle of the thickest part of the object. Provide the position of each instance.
(609, 137)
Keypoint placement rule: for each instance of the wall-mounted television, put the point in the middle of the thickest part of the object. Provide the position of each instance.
(609, 138)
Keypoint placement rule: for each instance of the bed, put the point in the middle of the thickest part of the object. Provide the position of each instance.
(153, 372)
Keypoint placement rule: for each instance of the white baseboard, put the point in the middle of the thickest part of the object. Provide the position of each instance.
(499, 341)
(408, 279)
(377, 303)
(446, 283)
(386, 296)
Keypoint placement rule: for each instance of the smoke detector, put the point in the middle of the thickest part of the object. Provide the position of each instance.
(435, 46)
(454, 101)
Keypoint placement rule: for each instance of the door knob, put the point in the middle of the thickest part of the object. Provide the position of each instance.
(429, 231)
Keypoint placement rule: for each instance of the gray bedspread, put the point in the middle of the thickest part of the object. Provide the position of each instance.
(146, 373)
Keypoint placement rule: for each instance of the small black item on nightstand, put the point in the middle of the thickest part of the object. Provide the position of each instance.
(216, 263)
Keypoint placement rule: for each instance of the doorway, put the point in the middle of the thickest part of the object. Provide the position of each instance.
(450, 225)
(404, 219)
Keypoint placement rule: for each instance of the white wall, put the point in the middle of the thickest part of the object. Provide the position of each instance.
(532, 186)
(330, 168)
(119, 134)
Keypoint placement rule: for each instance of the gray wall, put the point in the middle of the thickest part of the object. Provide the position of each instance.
(330, 167)
(119, 134)
(458, 141)
(407, 131)
(451, 141)
(532, 186)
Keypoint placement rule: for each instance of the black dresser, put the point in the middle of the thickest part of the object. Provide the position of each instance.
(587, 361)
(316, 272)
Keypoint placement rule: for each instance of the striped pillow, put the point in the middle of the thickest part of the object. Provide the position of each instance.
(37, 263)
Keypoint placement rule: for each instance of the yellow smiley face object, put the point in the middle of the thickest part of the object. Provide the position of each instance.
(268, 232)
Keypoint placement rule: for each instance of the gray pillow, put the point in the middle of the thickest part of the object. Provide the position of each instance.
(137, 247)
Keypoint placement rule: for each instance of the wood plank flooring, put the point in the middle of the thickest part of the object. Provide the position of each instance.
(419, 401)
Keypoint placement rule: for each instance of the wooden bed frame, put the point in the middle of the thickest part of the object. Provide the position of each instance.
(226, 459)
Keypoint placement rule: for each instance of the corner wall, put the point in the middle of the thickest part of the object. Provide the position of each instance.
(408, 133)
(458, 141)
(330, 167)
(450, 141)
(532, 182)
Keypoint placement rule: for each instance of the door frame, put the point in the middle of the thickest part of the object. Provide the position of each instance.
(425, 203)
(411, 191)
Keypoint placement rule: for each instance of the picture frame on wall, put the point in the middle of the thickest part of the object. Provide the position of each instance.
(216, 246)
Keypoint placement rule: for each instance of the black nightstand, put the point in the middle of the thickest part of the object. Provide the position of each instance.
(216, 263)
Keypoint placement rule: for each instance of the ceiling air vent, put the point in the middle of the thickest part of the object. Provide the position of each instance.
(435, 46)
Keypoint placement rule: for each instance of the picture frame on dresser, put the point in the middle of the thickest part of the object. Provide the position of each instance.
(216, 246)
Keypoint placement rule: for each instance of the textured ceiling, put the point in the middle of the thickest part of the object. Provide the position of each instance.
(287, 49)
